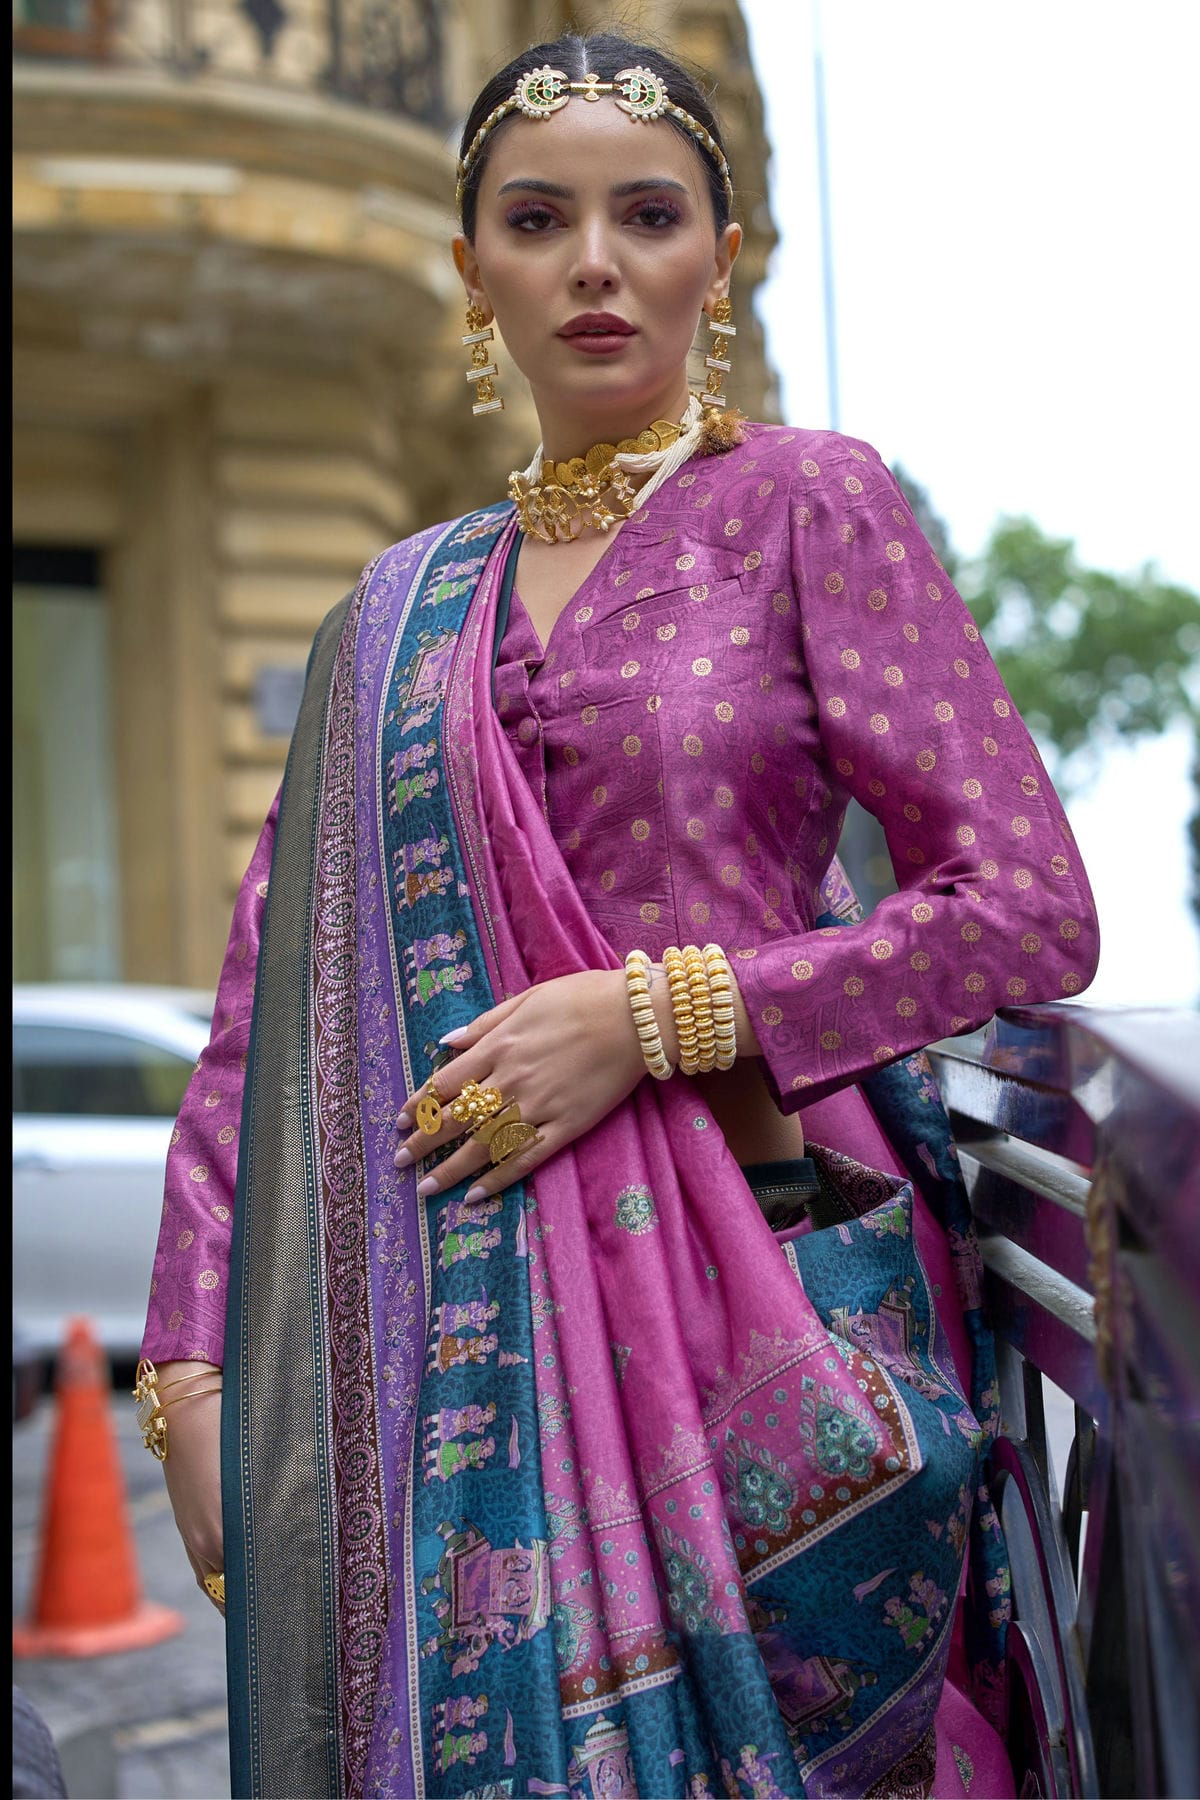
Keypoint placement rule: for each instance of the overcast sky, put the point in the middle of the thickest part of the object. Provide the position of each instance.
(1013, 198)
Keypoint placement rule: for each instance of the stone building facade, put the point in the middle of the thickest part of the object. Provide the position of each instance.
(237, 376)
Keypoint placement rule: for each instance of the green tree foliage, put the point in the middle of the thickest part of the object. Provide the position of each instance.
(1084, 653)
(1088, 657)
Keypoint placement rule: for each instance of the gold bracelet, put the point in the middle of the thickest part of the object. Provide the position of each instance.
(694, 1014)
(720, 981)
(674, 970)
(681, 1006)
(702, 1006)
(677, 982)
(196, 1394)
(208, 1369)
(151, 1410)
(644, 1019)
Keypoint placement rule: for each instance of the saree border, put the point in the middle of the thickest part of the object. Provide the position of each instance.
(275, 1485)
(439, 541)
(460, 710)
(350, 1447)
(403, 696)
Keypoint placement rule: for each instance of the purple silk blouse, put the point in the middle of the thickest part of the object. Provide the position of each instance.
(769, 636)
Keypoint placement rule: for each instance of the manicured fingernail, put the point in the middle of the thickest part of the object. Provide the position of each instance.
(403, 1157)
(428, 1185)
(474, 1193)
(452, 1037)
(404, 1121)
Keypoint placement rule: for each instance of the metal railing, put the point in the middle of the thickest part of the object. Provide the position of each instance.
(1079, 1137)
(388, 55)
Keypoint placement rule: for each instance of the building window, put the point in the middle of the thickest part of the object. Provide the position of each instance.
(72, 28)
(65, 881)
(389, 54)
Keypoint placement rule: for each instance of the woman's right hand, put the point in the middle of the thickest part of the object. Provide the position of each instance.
(193, 1468)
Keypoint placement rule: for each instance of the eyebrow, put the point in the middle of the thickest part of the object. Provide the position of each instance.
(621, 192)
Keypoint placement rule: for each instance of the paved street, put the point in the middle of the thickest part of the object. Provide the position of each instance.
(147, 1723)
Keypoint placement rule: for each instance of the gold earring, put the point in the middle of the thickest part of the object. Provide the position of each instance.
(482, 373)
(717, 362)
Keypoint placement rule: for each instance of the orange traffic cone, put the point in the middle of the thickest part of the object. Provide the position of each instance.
(87, 1598)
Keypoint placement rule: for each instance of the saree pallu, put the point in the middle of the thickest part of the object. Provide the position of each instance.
(588, 1488)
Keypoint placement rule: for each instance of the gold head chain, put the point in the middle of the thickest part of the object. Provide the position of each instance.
(642, 94)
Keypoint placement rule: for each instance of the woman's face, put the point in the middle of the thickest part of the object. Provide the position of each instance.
(596, 249)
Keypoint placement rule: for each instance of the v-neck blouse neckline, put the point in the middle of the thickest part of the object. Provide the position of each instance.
(638, 525)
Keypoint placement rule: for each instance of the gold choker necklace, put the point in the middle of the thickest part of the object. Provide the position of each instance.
(589, 491)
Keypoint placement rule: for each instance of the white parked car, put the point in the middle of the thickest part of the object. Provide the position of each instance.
(98, 1076)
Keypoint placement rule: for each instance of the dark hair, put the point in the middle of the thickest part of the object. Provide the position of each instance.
(604, 53)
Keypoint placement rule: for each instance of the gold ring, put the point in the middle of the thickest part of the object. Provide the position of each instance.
(505, 1133)
(510, 1140)
(214, 1587)
(476, 1104)
(429, 1115)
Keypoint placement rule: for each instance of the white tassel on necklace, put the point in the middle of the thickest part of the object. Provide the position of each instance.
(604, 490)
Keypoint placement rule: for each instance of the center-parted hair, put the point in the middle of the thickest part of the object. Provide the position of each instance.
(604, 54)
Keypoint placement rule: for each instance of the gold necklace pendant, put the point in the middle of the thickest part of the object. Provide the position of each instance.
(588, 492)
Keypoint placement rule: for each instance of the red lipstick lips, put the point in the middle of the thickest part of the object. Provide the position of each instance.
(597, 334)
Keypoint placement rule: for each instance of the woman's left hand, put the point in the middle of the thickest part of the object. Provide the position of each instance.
(565, 1052)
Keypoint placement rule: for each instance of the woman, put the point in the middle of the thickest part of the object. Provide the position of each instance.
(548, 1468)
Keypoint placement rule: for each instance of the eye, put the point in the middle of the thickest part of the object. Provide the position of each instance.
(656, 214)
(531, 216)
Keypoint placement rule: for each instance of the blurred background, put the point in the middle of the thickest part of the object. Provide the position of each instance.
(237, 375)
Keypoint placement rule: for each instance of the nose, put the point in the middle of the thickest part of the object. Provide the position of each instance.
(595, 265)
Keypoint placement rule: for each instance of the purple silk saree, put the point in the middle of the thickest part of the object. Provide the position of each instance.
(588, 1489)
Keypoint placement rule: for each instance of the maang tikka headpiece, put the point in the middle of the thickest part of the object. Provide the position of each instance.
(640, 93)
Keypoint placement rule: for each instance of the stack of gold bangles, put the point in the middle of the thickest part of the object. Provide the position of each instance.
(701, 986)
(151, 1410)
